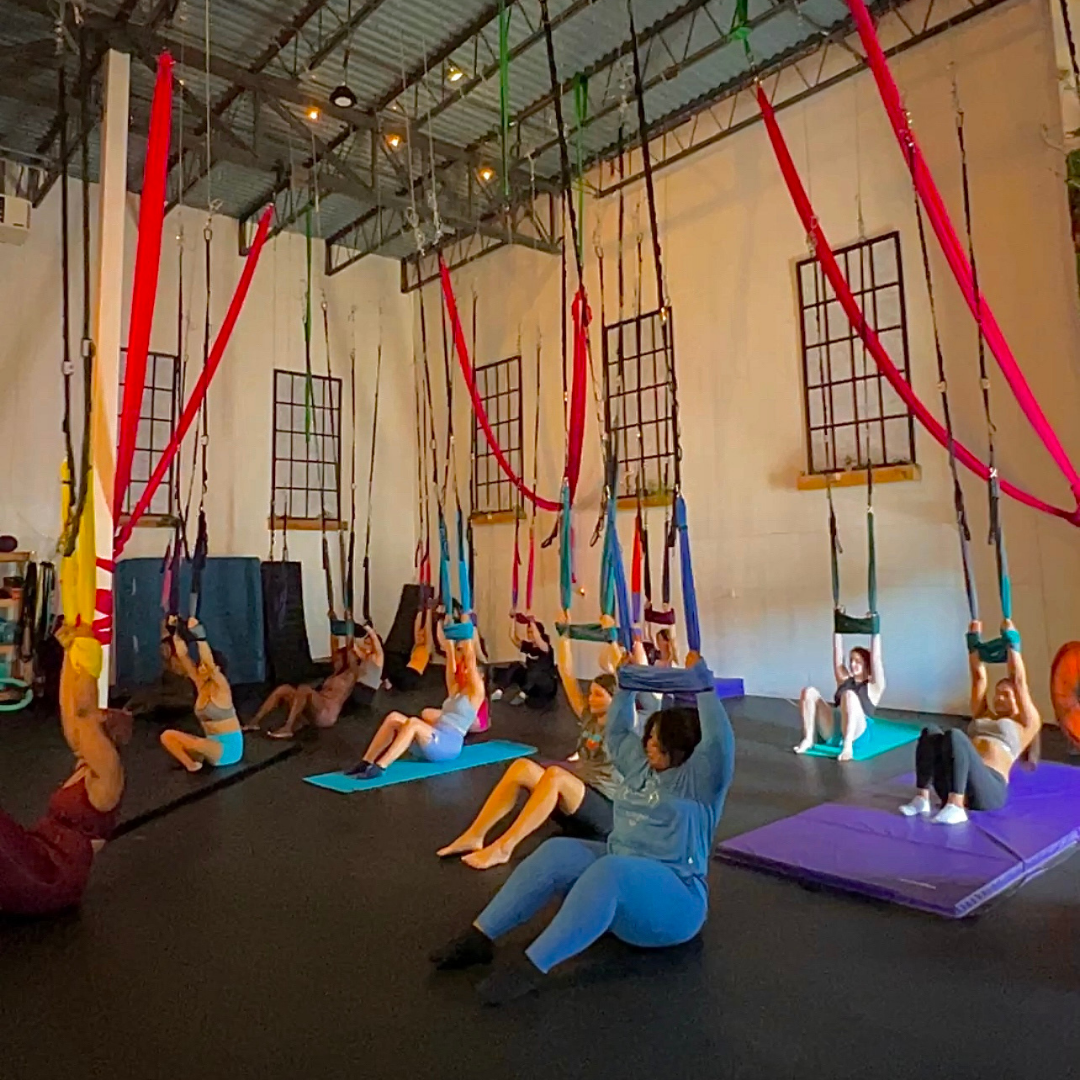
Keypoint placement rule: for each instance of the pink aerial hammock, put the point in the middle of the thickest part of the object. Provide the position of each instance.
(827, 260)
(576, 435)
(198, 394)
(953, 249)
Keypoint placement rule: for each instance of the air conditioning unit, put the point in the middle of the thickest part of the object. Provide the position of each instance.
(14, 219)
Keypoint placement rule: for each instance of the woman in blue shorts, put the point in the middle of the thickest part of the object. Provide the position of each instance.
(437, 734)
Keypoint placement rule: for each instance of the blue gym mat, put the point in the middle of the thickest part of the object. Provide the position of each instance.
(401, 772)
(884, 735)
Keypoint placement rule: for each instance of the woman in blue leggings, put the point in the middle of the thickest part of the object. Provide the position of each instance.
(648, 883)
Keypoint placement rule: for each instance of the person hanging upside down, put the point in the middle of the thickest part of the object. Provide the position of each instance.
(859, 689)
(437, 734)
(402, 674)
(648, 883)
(971, 772)
(323, 706)
(577, 793)
(222, 742)
(45, 868)
(533, 680)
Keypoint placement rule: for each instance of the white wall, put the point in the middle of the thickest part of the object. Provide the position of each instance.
(268, 335)
(731, 239)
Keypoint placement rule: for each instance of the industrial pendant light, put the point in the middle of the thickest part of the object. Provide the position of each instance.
(342, 96)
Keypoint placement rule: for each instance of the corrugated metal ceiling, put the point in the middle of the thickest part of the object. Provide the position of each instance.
(683, 64)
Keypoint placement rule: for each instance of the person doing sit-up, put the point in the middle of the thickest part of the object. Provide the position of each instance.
(648, 884)
(532, 679)
(222, 742)
(971, 772)
(400, 673)
(577, 793)
(45, 868)
(859, 689)
(323, 706)
(437, 734)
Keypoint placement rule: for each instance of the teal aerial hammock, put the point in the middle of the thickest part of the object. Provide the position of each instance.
(843, 623)
(996, 650)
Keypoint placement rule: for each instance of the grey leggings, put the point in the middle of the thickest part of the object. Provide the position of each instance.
(948, 762)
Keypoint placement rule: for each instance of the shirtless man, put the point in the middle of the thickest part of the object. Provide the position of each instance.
(321, 706)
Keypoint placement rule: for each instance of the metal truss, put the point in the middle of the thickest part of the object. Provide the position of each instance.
(533, 225)
(822, 61)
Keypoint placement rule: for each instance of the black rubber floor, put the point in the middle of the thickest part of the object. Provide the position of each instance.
(275, 930)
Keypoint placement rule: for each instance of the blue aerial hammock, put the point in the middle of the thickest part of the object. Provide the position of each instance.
(455, 631)
(614, 596)
(634, 676)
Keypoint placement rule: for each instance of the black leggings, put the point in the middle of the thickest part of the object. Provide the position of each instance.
(401, 677)
(949, 762)
(537, 683)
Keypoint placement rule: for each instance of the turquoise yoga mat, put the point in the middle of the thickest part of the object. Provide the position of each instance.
(401, 772)
(883, 736)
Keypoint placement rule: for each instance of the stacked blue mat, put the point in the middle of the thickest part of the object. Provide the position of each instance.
(866, 846)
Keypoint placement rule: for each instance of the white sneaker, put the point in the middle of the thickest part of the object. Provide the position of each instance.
(496, 695)
(919, 806)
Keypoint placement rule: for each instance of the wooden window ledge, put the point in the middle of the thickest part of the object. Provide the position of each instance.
(885, 474)
(307, 524)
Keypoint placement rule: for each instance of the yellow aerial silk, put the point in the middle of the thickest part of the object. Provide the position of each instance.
(78, 581)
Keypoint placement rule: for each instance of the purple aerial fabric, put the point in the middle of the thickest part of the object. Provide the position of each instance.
(866, 846)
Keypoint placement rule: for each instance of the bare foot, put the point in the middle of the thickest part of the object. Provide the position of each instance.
(195, 766)
(251, 726)
(462, 844)
(804, 746)
(846, 754)
(281, 733)
(485, 858)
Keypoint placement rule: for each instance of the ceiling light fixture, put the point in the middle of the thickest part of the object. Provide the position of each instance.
(454, 73)
(393, 140)
(342, 97)
(486, 173)
(313, 113)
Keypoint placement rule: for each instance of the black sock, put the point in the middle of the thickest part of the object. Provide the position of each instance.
(366, 770)
(508, 982)
(466, 950)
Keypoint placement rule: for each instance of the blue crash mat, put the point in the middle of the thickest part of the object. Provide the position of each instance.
(402, 772)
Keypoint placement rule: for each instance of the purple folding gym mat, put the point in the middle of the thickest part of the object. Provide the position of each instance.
(866, 846)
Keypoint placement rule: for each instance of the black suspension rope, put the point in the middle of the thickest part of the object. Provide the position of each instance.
(946, 411)
(370, 488)
(564, 152)
(996, 536)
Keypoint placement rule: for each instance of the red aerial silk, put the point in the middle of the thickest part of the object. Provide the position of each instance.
(579, 391)
(835, 275)
(531, 572)
(191, 409)
(952, 248)
(147, 264)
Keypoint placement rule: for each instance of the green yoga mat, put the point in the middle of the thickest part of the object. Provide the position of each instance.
(883, 736)
(401, 772)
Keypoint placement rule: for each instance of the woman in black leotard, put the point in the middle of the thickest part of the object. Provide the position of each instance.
(860, 685)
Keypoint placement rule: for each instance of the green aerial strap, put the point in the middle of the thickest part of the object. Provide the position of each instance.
(581, 113)
(504, 93)
(740, 26)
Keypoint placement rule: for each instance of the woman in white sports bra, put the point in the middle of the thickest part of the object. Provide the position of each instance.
(971, 772)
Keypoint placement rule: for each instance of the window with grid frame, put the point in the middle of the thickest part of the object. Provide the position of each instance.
(158, 413)
(306, 474)
(854, 418)
(499, 386)
(640, 405)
